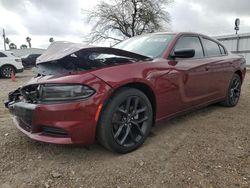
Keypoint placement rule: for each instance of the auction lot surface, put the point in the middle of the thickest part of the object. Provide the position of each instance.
(206, 148)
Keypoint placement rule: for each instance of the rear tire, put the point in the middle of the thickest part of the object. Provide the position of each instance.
(6, 71)
(125, 121)
(234, 90)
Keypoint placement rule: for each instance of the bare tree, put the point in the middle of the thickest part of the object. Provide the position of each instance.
(122, 19)
(28, 39)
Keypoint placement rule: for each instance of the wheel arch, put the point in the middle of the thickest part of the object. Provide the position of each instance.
(238, 72)
(141, 86)
(148, 91)
(15, 69)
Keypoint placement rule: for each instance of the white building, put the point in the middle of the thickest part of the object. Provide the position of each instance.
(237, 44)
(27, 51)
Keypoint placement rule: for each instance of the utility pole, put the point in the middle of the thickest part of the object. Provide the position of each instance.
(4, 40)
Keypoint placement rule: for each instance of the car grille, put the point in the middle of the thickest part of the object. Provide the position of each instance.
(23, 113)
(24, 124)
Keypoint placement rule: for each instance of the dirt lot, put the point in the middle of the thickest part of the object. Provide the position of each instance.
(207, 148)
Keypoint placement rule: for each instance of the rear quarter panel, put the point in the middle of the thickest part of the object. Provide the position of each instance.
(237, 63)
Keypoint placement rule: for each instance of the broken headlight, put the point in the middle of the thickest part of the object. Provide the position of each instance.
(55, 92)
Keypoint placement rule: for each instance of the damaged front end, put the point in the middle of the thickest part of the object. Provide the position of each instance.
(57, 106)
(21, 103)
(66, 57)
(62, 58)
(13, 97)
(27, 94)
(54, 113)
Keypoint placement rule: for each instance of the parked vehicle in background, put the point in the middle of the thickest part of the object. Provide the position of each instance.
(9, 63)
(115, 95)
(30, 60)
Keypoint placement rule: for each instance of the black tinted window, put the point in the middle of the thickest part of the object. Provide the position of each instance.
(2, 54)
(212, 48)
(190, 43)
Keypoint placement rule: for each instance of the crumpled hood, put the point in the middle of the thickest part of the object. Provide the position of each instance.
(61, 49)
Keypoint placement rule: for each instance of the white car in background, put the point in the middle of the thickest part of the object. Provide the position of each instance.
(9, 63)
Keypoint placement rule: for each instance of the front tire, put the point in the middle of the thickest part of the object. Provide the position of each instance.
(125, 121)
(234, 91)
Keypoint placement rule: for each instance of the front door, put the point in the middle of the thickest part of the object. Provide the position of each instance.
(195, 82)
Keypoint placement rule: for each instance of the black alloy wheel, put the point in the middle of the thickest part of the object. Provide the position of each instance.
(126, 121)
(130, 122)
(234, 91)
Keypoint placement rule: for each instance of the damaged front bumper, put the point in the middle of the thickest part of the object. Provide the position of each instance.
(67, 123)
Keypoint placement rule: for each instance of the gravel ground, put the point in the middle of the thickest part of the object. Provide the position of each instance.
(207, 148)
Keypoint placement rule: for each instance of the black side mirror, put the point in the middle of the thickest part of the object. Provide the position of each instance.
(184, 53)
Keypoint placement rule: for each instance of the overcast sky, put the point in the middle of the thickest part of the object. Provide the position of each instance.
(63, 19)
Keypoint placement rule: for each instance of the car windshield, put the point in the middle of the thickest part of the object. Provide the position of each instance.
(148, 45)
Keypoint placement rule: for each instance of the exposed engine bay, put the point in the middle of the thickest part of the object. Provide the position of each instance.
(28, 94)
(65, 57)
(78, 62)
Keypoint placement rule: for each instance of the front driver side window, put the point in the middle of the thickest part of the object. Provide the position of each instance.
(190, 43)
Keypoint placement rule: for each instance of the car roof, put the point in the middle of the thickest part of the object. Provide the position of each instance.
(179, 33)
(189, 33)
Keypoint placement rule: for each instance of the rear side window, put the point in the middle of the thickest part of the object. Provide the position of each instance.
(2, 55)
(211, 47)
(190, 43)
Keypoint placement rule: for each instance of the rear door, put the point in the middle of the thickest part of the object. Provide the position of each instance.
(219, 65)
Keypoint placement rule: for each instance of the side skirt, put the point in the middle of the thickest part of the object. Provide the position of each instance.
(188, 110)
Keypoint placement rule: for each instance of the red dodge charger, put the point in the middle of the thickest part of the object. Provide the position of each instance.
(115, 95)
